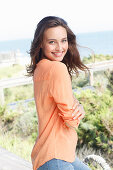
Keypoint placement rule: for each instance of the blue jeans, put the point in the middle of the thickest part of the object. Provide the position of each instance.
(57, 164)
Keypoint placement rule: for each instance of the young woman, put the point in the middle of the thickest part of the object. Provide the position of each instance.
(54, 57)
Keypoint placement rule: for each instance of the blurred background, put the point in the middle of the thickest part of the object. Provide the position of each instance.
(92, 23)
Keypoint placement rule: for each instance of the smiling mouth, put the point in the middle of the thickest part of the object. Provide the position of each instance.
(58, 54)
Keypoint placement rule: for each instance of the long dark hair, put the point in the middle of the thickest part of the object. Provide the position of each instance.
(71, 59)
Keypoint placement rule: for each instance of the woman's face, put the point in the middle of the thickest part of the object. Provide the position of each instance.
(55, 43)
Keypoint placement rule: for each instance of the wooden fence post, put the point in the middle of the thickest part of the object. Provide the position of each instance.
(91, 77)
(1, 96)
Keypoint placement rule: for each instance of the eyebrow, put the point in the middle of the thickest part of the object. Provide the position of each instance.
(55, 39)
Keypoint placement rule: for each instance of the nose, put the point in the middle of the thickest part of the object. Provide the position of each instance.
(58, 47)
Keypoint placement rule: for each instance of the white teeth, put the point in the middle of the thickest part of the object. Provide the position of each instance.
(58, 54)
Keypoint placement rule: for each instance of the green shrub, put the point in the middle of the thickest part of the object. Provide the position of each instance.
(109, 76)
(2, 110)
(96, 129)
(27, 124)
(20, 121)
(80, 81)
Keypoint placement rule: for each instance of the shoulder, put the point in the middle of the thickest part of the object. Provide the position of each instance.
(58, 66)
(58, 69)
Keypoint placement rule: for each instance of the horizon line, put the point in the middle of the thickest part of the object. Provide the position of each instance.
(30, 38)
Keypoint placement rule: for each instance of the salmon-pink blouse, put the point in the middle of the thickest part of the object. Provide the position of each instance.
(54, 104)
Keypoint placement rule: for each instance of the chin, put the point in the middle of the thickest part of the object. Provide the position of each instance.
(58, 59)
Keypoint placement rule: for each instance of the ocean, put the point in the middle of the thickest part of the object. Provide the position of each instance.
(98, 42)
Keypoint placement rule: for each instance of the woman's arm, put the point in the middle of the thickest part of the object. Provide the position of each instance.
(61, 91)
(78, 114)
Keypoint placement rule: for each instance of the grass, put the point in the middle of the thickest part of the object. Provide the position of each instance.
(17, 145)
(96, 58)
(10, 71)
(18, 93)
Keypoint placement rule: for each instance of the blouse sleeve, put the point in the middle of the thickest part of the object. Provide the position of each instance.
(61, 91)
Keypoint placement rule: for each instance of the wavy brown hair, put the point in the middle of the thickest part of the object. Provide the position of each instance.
(71, 59)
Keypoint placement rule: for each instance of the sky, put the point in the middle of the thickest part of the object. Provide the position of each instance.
(18, 18)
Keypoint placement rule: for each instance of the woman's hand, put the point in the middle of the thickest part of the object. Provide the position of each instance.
(78, 110)
(78, 114)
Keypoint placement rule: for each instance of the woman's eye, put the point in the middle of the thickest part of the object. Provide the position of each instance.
(64, 40)
(51, 42)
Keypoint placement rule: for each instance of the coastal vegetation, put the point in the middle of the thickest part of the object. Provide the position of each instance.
(10, 71)
(19, 124)
(96, 58)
